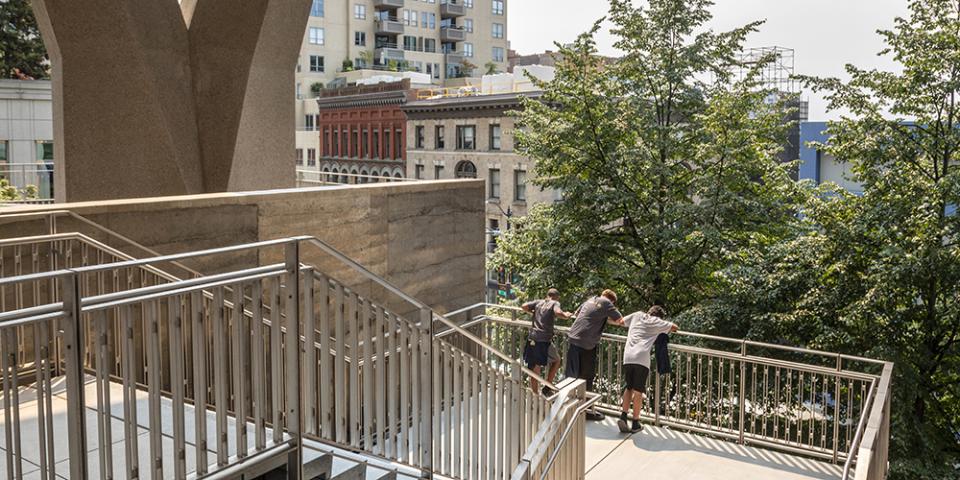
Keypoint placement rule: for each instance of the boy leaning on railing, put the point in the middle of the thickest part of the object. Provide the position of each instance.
(642, 332)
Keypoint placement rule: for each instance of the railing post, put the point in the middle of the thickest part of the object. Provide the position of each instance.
(427, 394)
(73, 353)
(656, 399)
(743, 382)
(293, 350)
(836, 410)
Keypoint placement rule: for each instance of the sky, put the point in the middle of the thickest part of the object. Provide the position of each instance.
(825, 34)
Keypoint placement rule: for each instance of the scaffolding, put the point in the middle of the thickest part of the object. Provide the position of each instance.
(776, 67)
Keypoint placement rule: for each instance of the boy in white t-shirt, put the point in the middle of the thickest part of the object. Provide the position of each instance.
(643, 329)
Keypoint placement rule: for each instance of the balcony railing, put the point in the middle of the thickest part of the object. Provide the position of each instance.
(388, 26)
(387, 4)
(452, 10)
(819, 404)
(384, 52)
(23, 175)
(452, 34)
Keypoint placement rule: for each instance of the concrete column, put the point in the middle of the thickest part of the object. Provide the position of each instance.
(160, 98)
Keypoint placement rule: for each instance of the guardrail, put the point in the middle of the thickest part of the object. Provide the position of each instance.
(444, 409)
(809, 402)
(314, 177)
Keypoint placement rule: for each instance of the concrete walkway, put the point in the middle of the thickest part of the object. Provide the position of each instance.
(657, 453)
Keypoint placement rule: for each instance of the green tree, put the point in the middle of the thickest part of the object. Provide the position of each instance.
(894, 266)
(491, 68)
(21, 47)
(9, 192)
(665, 176)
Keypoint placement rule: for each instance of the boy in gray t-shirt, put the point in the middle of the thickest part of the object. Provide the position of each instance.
(642, 332)
(539, 350)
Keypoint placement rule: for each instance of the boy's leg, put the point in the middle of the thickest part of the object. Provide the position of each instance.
(625, 407)
(534, 384)
(638, 397)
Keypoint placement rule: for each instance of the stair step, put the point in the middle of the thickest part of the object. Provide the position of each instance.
(317, 465)
(344, 469)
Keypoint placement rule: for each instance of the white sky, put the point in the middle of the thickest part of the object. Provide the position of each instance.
(826, 34)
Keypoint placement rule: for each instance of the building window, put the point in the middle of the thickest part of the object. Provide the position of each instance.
(299, 156)
(466, 169)
(386, 143)
(360, 38)
(311, 157)
(309, 123)
(494, 137)
(428, 20)
(418, 172)
(3, 151)
(316, 10)
(437, 172)
(316, 36)
(494, 183)
(467, 49)
(497, 30)
(45, 151)
(316, 63)
(466, 137)
(519, 186)
(468, 3)
(468, 25)
(438, 139)
(360, 12)
(409, 43)
(498, 7)
(334, 143)
(430, 45)
(497, 54)
(419, 136)
(436, 70)
(398, 145)
(299, 92)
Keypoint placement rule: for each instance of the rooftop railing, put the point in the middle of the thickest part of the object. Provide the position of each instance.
(819, 404)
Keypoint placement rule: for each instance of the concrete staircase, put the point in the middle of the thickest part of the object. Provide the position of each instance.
(325, 462)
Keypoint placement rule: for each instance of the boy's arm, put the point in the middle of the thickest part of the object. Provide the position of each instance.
(560, 313)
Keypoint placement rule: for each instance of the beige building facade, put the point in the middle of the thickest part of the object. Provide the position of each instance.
(441, 38)
(473, 137)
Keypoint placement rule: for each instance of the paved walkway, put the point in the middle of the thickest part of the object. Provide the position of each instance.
(657, 453)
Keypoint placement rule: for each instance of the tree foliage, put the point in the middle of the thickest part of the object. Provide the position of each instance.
(667, 163)
(20, 44)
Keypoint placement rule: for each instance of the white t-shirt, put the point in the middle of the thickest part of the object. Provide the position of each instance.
(641, 336)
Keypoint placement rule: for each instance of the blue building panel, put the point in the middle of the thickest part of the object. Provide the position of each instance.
(809, 157)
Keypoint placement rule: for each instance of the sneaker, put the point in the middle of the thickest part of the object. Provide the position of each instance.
(594, 416)
(636, 427)
(622, 425)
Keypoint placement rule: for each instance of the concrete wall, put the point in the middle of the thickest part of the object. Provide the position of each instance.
(425, 237)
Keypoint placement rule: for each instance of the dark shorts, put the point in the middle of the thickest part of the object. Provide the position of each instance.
(635, 377)
(582, 363)
(536, 353)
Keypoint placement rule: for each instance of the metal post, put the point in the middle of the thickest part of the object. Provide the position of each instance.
(427, 396)
(292, 351)
(743, 390)
(656, 400)
(836, 409)
(73, 353)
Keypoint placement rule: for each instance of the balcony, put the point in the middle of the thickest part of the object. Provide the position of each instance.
(452, 34)
(388, 26)
(453, 58)
(452, 10)
(386, 52)
(387, 4)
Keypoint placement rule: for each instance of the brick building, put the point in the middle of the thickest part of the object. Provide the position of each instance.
(362, 131)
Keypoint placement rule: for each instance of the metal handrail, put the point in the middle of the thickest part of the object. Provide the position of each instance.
(858, 436)
(704, 336)
(566, 432)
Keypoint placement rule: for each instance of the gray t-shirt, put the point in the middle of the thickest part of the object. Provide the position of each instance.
(642, 333)
(591, 318)
(544, 316)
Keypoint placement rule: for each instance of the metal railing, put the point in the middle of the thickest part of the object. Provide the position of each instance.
(452, 413)
(315, 177)
(22, 175)
(809, 402)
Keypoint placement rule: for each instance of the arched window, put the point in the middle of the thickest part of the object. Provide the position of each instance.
(374, 176)
(326, 175)
(398, 175)
(466, 169)
(365, 176)
(335, 177)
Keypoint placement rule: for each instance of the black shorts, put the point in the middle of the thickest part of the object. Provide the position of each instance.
(635, 377)
(581, 363)
(536, 354)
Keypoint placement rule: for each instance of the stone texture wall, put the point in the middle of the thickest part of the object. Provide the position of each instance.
(425, 237)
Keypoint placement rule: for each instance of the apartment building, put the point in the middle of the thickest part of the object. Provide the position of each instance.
(26, 134)
(447, 39)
